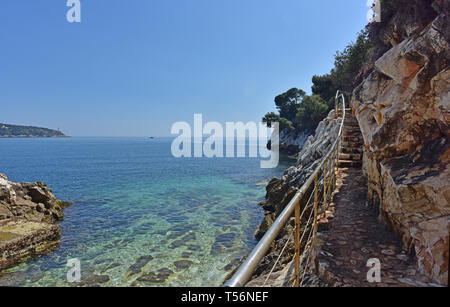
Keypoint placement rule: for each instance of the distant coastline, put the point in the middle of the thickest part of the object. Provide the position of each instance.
(17, 131)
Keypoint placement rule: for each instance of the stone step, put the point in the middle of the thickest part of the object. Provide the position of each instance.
(353, 135)
(356, 139)
(352, 128)
(350, 156)
(351, 124)
(352, 150)
(352, 144)
(350, 163)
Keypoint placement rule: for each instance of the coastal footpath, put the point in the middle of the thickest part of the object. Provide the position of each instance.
(28, 216)
(402, 108)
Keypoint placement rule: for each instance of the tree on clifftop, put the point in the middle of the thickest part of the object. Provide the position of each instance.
(299, 111)
(288, 102)
(311, 111)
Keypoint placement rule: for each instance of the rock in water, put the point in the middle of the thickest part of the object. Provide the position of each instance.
(182, 264)
(28, 212)
(138, 265)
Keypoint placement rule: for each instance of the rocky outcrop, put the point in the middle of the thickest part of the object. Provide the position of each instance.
(291, 142)
(279, 194)
(28, 213)
(281, 191)
(403, 111)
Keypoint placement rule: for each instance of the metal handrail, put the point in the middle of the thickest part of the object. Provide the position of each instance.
(246, 270)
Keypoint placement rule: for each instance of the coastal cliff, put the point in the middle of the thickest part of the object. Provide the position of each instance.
(401, 103)
(28, 213)
(279, 193)
(403, 111)
(281, 190)
(291, 142)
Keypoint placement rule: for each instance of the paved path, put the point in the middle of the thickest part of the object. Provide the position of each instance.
(351, 234)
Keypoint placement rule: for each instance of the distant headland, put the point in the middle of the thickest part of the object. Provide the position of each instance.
(15, 131)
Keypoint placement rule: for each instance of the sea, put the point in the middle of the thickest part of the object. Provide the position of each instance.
(137, 211)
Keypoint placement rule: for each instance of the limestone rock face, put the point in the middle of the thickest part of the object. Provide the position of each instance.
(292, 142)
(32, 201)
(403, 111)
(28, 212)
(20, 238)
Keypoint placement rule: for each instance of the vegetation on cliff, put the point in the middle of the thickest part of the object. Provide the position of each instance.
(15, 131)
(299, 111)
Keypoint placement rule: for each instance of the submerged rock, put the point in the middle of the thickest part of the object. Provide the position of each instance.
(182, 264)
(92, 280)
(159, 277)
(186, 254)
(222, 242)
(194, 247)
(138, 265)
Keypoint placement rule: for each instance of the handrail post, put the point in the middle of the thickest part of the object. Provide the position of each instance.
(336, 105)
(297, 244)
(316, 203)
(325, 184)
(330, 183)
(335, 168)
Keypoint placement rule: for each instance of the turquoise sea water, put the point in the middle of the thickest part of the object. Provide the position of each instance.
(131, 199)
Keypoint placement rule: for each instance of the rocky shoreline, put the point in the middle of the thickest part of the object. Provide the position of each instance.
(279, 193)
(28, 216)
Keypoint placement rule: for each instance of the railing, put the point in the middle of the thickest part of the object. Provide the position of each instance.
(326, 171)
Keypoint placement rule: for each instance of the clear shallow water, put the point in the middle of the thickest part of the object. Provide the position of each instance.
(131, 198)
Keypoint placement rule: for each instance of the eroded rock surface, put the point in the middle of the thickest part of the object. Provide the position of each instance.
(292, 142)
(403, 111)
(28, 213)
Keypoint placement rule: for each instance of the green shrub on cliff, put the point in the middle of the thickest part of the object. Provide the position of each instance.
(298, 111)
(273, 118)
(288, 103)
(311, 111)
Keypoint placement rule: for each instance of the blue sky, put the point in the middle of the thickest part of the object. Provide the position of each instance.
(134, 67)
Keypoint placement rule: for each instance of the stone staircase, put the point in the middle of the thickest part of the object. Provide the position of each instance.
(351, 153)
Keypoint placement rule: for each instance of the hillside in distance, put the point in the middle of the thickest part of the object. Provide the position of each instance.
(16, 131)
